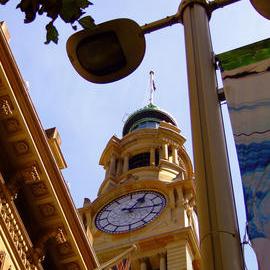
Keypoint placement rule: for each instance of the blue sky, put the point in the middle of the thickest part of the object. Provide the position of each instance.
(87, 115)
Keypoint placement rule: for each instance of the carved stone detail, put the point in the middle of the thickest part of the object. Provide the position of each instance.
(72, 266)
(64, 249)
(39, 189)
(27, 175)
(12, 226)
(5, 107)
(30, 174)
(35, 255)
(47, 210)
(189, 204)
(21, 148)
(2, 259)
(60, 236)
(12, 125)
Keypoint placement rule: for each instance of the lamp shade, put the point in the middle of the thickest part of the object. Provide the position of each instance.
(109, 52)
(262, 7)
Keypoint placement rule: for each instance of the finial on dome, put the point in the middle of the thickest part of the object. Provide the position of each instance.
(152, 87)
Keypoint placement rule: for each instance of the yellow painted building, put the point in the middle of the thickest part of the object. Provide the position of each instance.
(147, 197)
(39, 225)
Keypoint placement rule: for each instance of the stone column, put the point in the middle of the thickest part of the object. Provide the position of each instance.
(175, 155)
(119, 167)
(143, 265)
(162, 261)
(165, 154)
(125, 167)
(152, 157)
(107, 168)
(112, 165)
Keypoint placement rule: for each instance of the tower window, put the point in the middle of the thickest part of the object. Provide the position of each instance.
(140, 160)
(145, 124)
(156, 157)
(170, 157)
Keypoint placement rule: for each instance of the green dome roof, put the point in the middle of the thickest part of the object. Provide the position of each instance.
(143, 118)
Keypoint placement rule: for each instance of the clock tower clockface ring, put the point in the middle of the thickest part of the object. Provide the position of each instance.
(130, 211)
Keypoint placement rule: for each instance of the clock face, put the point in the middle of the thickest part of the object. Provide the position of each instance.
(129, 212)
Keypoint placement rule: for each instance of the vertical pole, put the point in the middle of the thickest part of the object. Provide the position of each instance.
(219, 235)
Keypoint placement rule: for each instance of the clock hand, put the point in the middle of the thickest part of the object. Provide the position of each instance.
(146, 206)
(139, 200)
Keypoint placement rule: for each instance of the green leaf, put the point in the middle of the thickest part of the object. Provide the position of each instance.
(83, 3)
(51, 8)
(3, 2)
(30, 9)
(87, 22)
(52, 33)
(70, 12)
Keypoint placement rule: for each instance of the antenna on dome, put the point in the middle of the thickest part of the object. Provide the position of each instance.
(152, 87)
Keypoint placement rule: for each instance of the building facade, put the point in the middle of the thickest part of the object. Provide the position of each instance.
(40, 228)
(147, 198)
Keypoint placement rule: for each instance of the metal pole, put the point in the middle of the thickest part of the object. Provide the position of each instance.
(219, 235)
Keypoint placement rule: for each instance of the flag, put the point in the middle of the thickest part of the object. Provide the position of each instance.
(246, 78)
(152, 81)
(124, 264)
(152, 87)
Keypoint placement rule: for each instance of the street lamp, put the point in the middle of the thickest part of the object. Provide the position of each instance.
(107, 53)
(219, 234)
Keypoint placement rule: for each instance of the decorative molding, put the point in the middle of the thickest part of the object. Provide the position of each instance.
(39, 189)
(12, 227)
(171, 142)
(21, 148)
(47, 210)
(6, 107)
(72, 266)
(27, 175)
(36, 253)
(2, 259)
(11, 125)
(30, 174)
(64, 249)
(60, 236)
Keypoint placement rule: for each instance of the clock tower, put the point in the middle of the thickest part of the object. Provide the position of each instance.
(147, 197)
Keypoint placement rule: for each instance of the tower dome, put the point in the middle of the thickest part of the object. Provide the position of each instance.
(149, 116)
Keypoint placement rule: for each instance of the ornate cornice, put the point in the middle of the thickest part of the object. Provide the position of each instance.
(11, 224)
